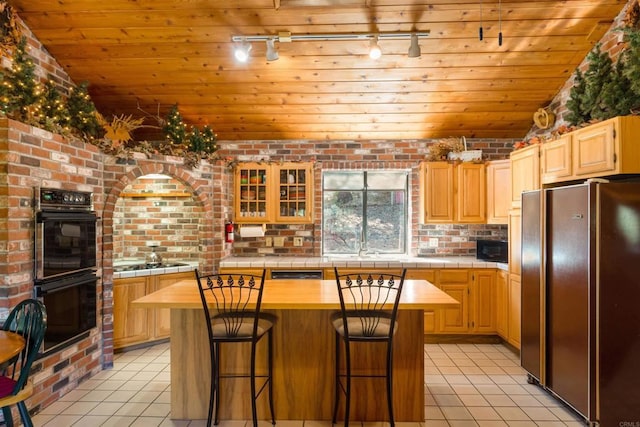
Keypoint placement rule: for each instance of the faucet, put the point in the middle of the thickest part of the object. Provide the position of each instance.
(363, 245)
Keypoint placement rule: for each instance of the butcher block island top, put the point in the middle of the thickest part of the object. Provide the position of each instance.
(303, 354)
(298, 295)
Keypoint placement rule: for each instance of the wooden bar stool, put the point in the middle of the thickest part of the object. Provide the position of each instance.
(231, 305)
(369, 306)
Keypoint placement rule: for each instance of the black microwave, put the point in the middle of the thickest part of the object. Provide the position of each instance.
(492, 250)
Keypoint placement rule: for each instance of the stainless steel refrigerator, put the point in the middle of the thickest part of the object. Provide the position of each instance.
(581, 297)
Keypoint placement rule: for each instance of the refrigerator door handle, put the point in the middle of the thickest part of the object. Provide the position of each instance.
(577, 216)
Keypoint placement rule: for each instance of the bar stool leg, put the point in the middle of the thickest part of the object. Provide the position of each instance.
(254, 413)
(390, 384)
(270, 355)
(336, 395)
(216, 381)
(347, 359)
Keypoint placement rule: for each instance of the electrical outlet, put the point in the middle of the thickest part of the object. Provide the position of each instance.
(268, 241)
(278, 242)
(297, 241)
(433, 242)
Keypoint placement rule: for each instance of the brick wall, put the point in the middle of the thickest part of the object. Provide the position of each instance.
(31, 157)
(401, 154)
(167, 216)
(611, 43)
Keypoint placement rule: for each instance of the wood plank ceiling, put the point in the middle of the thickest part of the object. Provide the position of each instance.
(151, 54)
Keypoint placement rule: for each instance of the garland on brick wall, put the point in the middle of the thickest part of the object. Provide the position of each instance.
(605, 89)
(25, 98)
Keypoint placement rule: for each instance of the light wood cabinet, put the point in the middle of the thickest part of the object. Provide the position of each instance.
(455, 282)
(483, 301)
(502, 303)
(273, 193)
(498, 191)
(430, 317)
(515, 241)
(130, 325)
(471, 193)
(607, 148)
(514, 322)
(525, 172)
(437, 192)
(453, 193)
(555, 160)
(138, 325)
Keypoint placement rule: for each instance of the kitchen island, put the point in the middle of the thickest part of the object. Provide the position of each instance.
(303, 354)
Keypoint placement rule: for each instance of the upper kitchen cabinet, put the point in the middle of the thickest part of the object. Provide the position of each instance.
(498, 191)
(602, 149)
(453, 193)
(525, 172)
(555, 160)
(607, 148)
(273, 193)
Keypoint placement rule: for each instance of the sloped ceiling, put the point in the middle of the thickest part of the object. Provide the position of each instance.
(146, 55)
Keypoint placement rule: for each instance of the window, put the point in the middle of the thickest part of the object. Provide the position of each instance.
(364, 212)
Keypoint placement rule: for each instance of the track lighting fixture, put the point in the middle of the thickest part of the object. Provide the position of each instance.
(272, 52)
(286, 37)
(374, 50)
(414, 48)
(241, 51)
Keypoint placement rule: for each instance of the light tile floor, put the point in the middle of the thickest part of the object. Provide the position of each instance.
(467, 385)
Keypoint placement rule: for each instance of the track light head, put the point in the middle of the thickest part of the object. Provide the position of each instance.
(241, 51)
(374, 49)
(272, 52)
(414, 48)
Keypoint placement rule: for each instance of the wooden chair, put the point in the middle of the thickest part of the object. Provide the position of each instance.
(369, 306)
(231, 305)
(29, 319)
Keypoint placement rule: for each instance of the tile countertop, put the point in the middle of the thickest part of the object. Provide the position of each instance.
(150, 271)
(355, 262)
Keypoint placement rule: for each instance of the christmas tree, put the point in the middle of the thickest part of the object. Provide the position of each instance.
(631, 58)
(209, 139)
(54, 108)
(82, 113)
(574, 104)
(617, 97)
(596, 77)
(175, 129)
(196, 143)
(20, 87)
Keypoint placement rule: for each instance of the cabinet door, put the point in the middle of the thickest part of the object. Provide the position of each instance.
(525, 172)
(515, 241)
(555, 160)
(498, 191)
(130, 325)
(438, 192)
(514, 311)
(456, 284)
(483, 292)
(430, 316)
(502, 303)
(294, 192)
(161, 320)
(251, 199)
(471, 193)
(594, 149)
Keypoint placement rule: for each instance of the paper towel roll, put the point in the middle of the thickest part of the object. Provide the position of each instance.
(252, 231)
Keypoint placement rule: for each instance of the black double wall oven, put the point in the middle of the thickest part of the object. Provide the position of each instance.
(65, 264)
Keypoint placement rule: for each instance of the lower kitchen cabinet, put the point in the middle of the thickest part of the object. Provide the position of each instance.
(455, 283)
(502, 303)
(138, 325)
(483, 301)
(514, 308)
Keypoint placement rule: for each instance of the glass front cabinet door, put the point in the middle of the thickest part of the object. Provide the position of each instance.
(252, 201)
(294, 188)
(276, 192)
